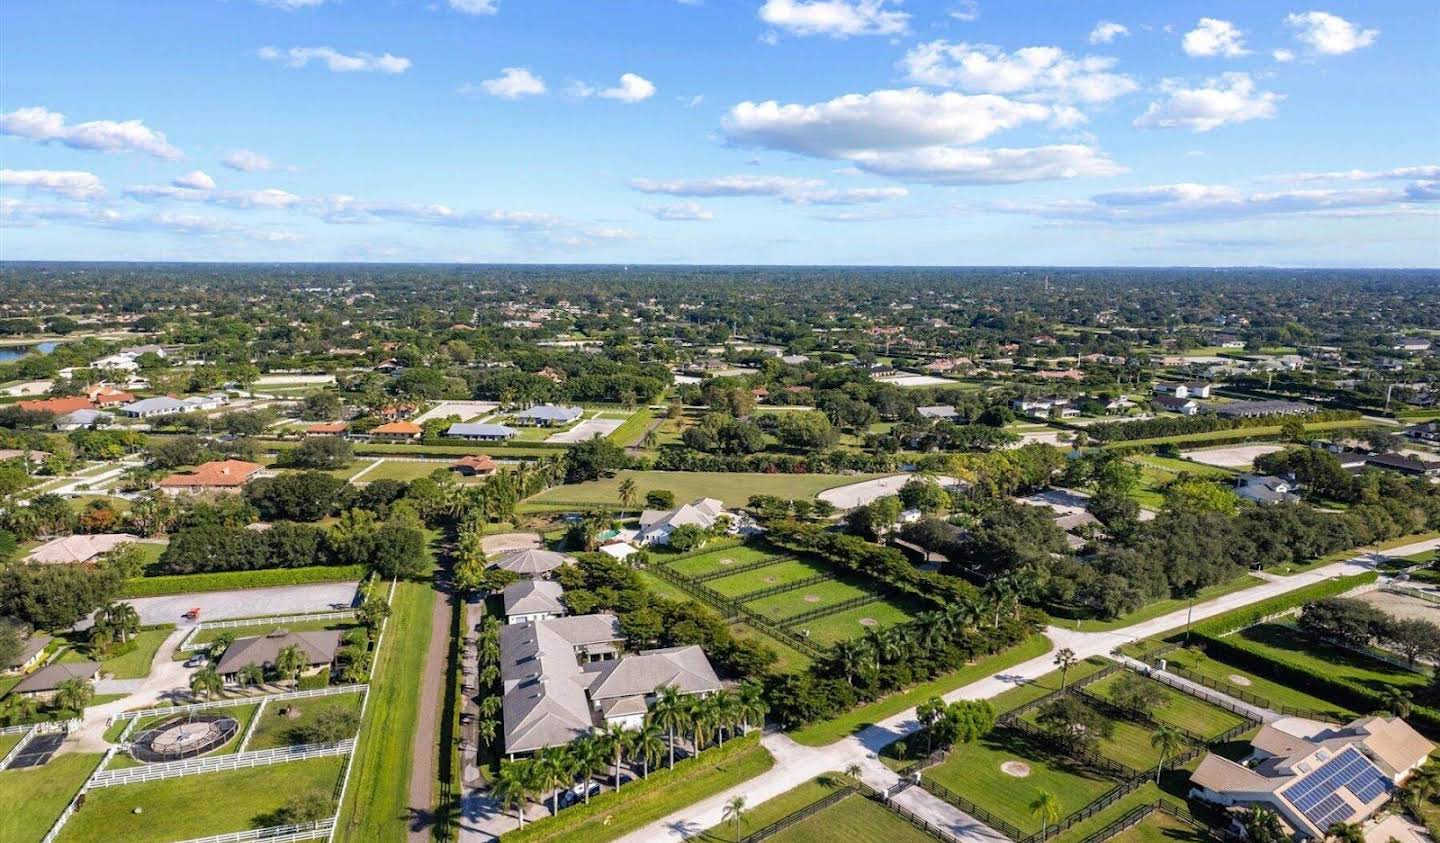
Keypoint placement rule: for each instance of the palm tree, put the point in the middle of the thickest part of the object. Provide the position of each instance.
(122, 618)
(852, 770)
(884, 645)
(704, 719)
(485, 728)
(512, 787)
(1045, 808)
(220, 644)
(1262, 826)
(20, 708)
(1168, 740)
(617, 740)
(289, 662)
(1345, 833)
(751, 706)
(849, 655)
(1398, 701)
(589, 758)
(554, 768)
(252, 675)
(735, 814)
(74, 694)
(650, 441)
(649, 745)
(1425, 783)
(1065, 659)
(627, 491)
(669, 712)
(207, 682)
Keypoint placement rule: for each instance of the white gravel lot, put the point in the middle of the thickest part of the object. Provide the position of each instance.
(586, 430)
(1233, 456)
(466, 410)
(859, 494)
(245, 603)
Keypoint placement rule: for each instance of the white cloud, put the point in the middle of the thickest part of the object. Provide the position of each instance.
(1329, 35)
(195, 180)
(632, 88)
(38, 123)
(92, 216)
(691, 102)
(1214, 37)
(1042, 71)
(966, 10)
(337, 61)
(970, 165)
(1107, 31)
(513, 83)
(1231, 98)
(291, 5)
(679, 212)
(475, 7)
(247, 161)
(791, 189)
(76, 184)
(1283, 55)
(1424, 172)
(265, 199)
(835, 18)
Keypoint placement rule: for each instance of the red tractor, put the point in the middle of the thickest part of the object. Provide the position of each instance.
(193, 614)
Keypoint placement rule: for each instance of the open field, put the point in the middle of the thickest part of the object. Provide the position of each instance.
(1178, 708)
(34, 799)
(772, 810)
(661, 588)
(405, 470)
(974, 771)
(1160, 827)
(829, 731)
(1174, 467)
(1235, 457)
(1240, 434)
(853, 623)
(781, 573)
(718, 560)
(863, 821)
(1276, 693)
(201, 805)
(284, 723)
(1286, 644)
(778, 607)
(733, 489)
(1144, 795)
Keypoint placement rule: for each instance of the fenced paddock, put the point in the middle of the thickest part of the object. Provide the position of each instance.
(197, 766)
(197, 639)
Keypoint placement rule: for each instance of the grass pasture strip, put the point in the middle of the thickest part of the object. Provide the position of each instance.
(277, 728)
(732, 488)
(852, 623)
(1284, 643)
(783, 572)
(1177, 708)
(231, 580)
(778, 607)
(774, 810)
(716, 561)
(1276, 693)
(790, 661)
(632, 430)
(862, 821)
(34, 799)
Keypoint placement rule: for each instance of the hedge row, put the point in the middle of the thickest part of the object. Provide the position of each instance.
(229, 580)
(1237, 619)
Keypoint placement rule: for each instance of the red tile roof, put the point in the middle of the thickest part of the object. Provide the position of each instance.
(327, 427)
(398, 428)
(476, 463)
(58, 406)
(214, 474)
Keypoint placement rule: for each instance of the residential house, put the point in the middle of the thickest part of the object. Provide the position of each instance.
(82, 418)
(1404, 464)
(217, 476)
(474, 465)
(1427, 432)
(146, 408)
(58, 406)
(43, 683)
(1061, 374)
(939, 411)
(1183, 406)
(107, 396)
(1411, 344)
(72, 550)
(657, 525)
(1255, 409)
(1312, 780)
(473, 432)
(397, 431)
(622, 690)
(1040, 406)
(317, 647)
(533, 600)
(1190, 389)
(548, 415)
(1266, 488)
(327, 429)
(534, 562)
(31, 654)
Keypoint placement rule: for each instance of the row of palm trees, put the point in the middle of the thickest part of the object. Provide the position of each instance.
(928, 631)
(704, 719)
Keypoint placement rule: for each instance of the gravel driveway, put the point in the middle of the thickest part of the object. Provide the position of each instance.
(245, 603)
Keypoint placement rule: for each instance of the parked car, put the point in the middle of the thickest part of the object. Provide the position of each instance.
(577, 793)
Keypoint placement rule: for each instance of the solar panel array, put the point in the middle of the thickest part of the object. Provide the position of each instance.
(1316, 797)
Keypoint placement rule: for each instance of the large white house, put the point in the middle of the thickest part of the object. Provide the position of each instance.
(656, 525)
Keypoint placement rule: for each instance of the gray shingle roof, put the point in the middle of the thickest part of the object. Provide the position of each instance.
(488, 431)
(528, 597)
(318, 647)
(684, 668)
(531, 562)
(49, 677)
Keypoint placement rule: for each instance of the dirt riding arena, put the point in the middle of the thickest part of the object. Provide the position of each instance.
(1402, 606)
(1233, 456)
(587, 430)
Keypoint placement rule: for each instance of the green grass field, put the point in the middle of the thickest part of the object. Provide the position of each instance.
(718, 560)
(973, 771)
(197, 806)
(829, 731)
(733, 489)
(404, 470)
(1158, 827)
(1276, 693)
(778, 607)
(661, 588)
(1177, 466)
(763, 814)
(1286, 644)
(790, 661)
(277, 728)
(134, 664)
(1239, 434)
(781, 573)
(1177, 708)
(34, 799)
(7, 742)
(852, 623)
(1128, 743)
(1144, 795)
(1042, 685)
(863, 821)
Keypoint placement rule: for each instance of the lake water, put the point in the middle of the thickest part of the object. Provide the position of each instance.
(12, 353)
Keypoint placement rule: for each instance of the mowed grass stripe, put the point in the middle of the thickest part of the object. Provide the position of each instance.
(860, 820)
(853, 623)
(716, 561)
(778, 607)
(1177, 708)
(783, 572)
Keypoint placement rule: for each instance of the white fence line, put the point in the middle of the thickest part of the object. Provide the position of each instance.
(274, 834)
(230, 703)
(250, 729)
(195, 766)
(23, 727)
(64, 817)
(187, 646)
(15, 750)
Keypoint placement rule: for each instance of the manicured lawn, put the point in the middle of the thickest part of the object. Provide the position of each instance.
(1144, 795)
(197, 806)
(1276, 693)
(733, 489)
(1042, 685)
(829, 731)
(778, 607)
(1178, 708)
(1239, 434)
(1286, 644)
(973, 771)
(852, 623)
(770, 576)
(790, 661)
(1157, 827)
(615, 814)
(1128, 743)
(1159, 607)
(34, 799)
(405, 471)
(763, 814)
(662, 588)
(134, 664)
(7, 742)
(377, 808)
(718, 560)
(243, 714)
(276, 728)
(632, 430)
(862, 821)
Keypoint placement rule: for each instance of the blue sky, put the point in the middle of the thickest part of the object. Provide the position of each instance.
(722, 131)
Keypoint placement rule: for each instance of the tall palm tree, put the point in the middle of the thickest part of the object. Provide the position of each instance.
(884, 645)
(122, 618)
(207, 682)
(852, 770)
(1398, 701)
(617, 740)
(289, 662)
(752, 707)
(649, 745)
(1045, 808)
(670, 713)
(74, 694)
(1425, 782)
(19, 708)
(1065, 659)
(704, 720)
(512, 787)
(849, 655)
(1169, 741)
(650, 441)
(486, 729)
(252, 675)
(555, 768)
(628, 492)
(589, 757)
(735, 814)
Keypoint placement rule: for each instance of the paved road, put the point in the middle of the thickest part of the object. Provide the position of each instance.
(244, 603)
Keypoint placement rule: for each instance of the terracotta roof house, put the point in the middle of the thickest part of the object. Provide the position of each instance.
(1338, 774)
(105, 396)
(58, 406)
(70, 550)
(43, 683)
(397, 431)
(318, 647)
(326, 429)
(475, 465)
(221, 475)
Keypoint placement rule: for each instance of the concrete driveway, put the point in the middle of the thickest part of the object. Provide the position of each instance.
(245, 603)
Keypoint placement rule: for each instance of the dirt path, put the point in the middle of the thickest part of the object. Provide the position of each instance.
(425, 754)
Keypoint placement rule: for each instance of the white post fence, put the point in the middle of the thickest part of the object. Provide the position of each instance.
(365, 702)
(250, 729)
(194, 766)
(15, 750)
(187, 644)
(274, 834)
(230, 703)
